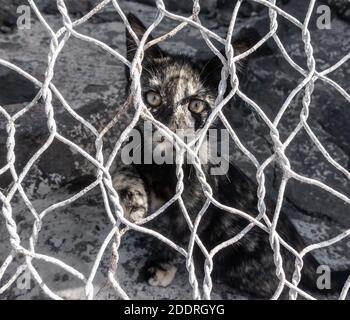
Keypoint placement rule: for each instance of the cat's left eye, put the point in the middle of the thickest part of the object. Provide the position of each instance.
(153, 98)
(197, 106)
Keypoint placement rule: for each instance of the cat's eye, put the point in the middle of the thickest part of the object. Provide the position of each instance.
(197, 106)
(153, 99)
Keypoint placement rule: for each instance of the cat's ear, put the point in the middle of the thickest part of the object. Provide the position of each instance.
(246, 39)
(243, 42)
(131, 46)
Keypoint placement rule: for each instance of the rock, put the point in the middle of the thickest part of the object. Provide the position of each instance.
(15, 88)
(8, 14)
(31, 132)
(75, 7)
(269, 80)
(247, 9)
(340, 7)
(59, 164)
(74, 234)
(254, 11)
(182, 5)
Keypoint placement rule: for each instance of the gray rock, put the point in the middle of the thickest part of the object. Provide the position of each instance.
(74, 235)
(59, 164)
(182, 5)
(247, 9)
(75, 7)
(269, 80)
(8, 14)
(340, 7)
(15, 88)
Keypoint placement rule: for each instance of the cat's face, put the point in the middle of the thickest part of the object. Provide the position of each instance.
(175, 90)
(179, 92)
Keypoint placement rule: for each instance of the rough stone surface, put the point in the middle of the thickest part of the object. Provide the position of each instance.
(8, 16)
(15, 88)
(269, 81)
(75, 7)
(93, 83)
(183, 5)
(340, 7)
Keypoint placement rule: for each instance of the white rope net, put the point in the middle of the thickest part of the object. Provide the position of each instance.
(104, 181)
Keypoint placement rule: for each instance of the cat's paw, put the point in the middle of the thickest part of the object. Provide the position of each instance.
(132, 194)
(134, 202)
(160, 274)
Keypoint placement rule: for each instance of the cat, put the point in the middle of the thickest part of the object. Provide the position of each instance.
(179, 92)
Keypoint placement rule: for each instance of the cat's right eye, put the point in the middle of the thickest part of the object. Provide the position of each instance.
(153, 99)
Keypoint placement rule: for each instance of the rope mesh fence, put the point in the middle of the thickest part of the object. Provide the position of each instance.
(47, 90)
